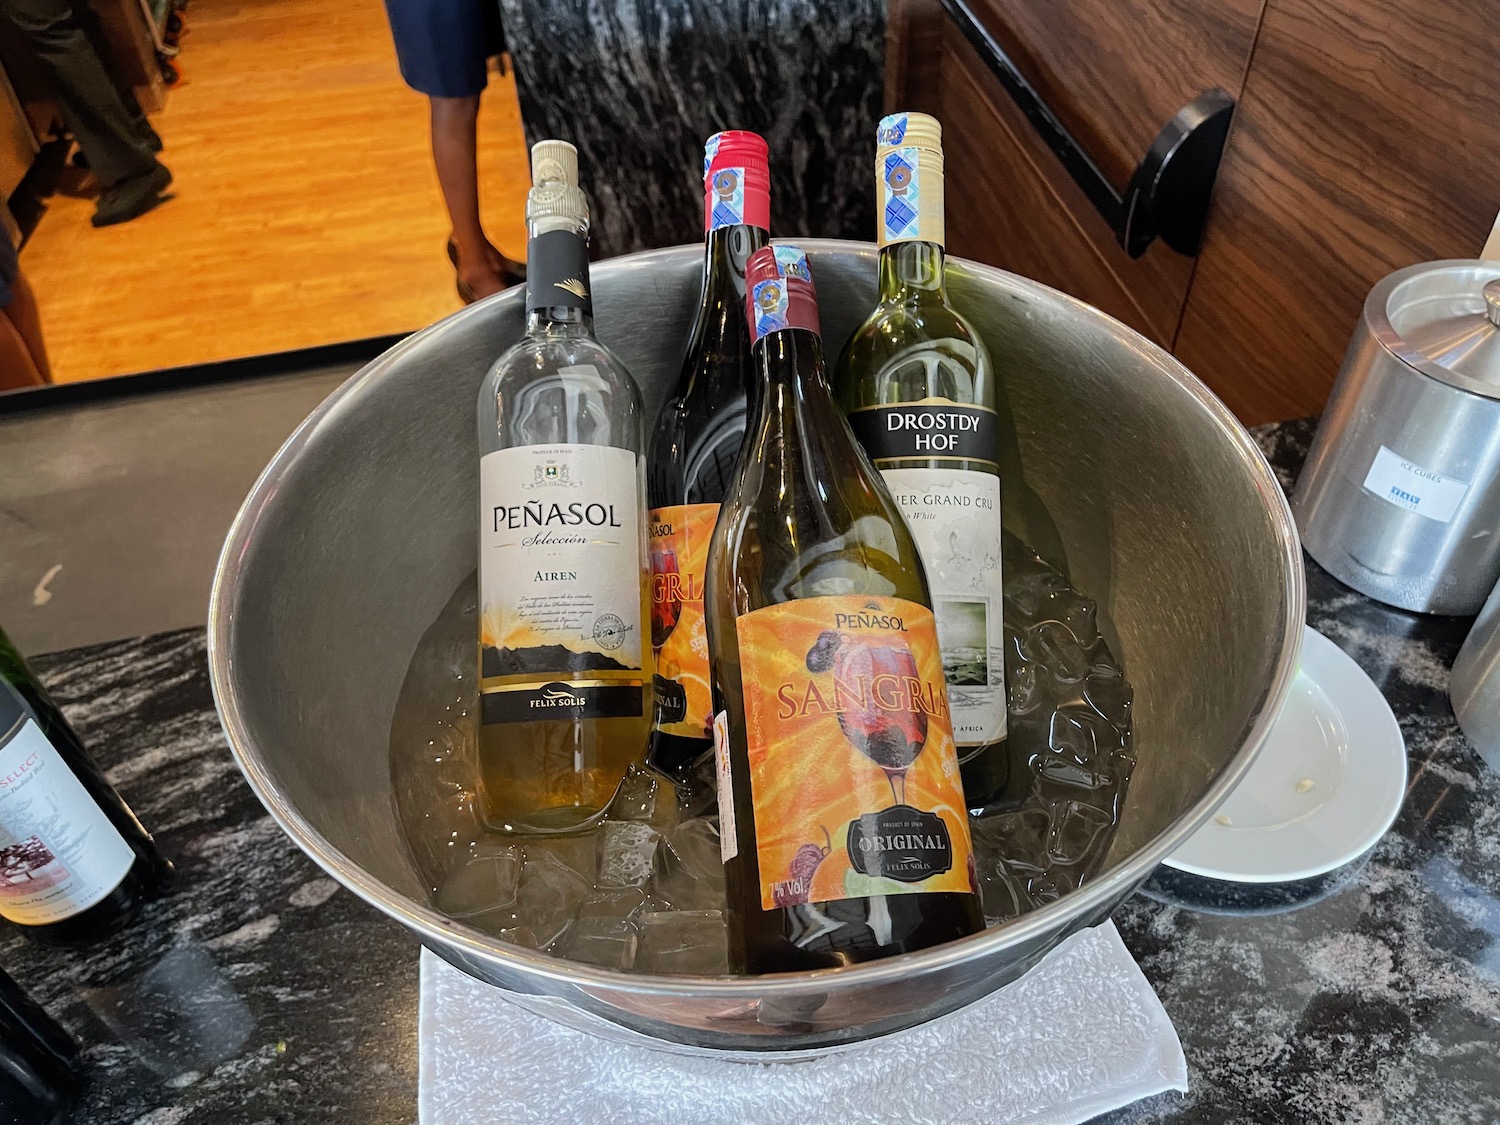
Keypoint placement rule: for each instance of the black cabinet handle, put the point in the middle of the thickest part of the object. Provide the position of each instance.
(1168, 193)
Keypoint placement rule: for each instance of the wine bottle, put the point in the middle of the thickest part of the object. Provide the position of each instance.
(921, 396)
(841, 809)
(75, 863)
(38, 1060)
(696, 441)
(565, 691)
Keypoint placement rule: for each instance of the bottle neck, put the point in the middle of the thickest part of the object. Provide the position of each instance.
(726, 250)
(912, 272)
(559, 321)
(792, 369)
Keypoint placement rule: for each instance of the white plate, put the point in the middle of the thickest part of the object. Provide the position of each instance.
(1327, 784)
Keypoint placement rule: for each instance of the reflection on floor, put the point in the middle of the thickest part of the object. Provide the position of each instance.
(306, 208)
(112, 513)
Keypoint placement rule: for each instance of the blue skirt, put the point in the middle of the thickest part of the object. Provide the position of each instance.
(443, 46)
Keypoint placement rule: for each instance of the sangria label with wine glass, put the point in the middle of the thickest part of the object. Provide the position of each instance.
(854, 774)
(679, 556)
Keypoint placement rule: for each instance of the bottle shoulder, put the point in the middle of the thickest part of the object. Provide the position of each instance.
(909, 351)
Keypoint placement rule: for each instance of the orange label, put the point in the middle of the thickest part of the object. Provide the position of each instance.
(679, 556)
(853, 771)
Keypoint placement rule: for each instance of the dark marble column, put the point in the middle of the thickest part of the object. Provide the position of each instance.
(638, 85)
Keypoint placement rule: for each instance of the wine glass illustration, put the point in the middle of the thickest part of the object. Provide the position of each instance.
(874, 721)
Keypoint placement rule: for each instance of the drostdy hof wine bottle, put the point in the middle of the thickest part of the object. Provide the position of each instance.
(75, 863)
(565, 691)
(695, 444)
(920, 393)
(842, 817)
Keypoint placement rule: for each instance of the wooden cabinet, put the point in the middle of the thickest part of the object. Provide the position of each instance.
(1366, 136)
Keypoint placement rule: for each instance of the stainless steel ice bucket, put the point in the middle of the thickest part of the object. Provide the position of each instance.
(1400, 497)
(1474, 686)
(363, 525)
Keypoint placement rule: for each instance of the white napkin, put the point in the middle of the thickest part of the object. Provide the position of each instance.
(1081, 1034)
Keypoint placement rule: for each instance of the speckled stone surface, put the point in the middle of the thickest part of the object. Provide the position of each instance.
(259, 992)
(639, 85)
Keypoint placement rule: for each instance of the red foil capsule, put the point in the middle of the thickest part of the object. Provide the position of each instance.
(779, 292)
(736, 180)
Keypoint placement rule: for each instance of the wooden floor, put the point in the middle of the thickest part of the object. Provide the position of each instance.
(306, 210)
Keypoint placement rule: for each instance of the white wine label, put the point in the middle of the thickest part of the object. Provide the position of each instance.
(729, 844)
(1408, 485)
(954, 516)
(59, 854)
(561, 583)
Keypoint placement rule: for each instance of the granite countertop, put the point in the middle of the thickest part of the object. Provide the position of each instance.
(259, 991)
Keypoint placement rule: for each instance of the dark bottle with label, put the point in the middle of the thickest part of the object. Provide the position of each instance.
(38, 1061)
(75, 863)
(922, 398)
(842, 818)
(696, 441)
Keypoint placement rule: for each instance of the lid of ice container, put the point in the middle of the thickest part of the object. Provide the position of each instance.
(1443, 318)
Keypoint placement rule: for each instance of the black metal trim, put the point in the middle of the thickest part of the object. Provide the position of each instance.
(194, 375)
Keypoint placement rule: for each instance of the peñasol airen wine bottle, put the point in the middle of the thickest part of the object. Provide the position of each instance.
(842, 817)
(75, 863)
(565, 685)
(697, 439)
(920, 394)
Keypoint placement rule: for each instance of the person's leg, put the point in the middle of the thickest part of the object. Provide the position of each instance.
(93, 28)
(26, 318)
(455, 153)
(91, 105)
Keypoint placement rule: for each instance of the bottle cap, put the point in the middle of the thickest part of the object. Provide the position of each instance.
(736, 180)
(909, 178)
(556, 202)
(779, 291)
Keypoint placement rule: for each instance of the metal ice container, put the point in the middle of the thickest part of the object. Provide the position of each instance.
(1400, 497)
(364, 524)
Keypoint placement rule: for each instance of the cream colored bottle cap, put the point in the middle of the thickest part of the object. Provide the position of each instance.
(556, 202)
(909, 178)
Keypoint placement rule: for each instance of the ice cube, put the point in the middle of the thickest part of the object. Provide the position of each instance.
(683, 941)
(484, 885)
(689, 868)
(577, 852)
(604, 932)
(1053, 645)
(550, 893)
(700, 796)
(1107, 693)
(1074, 828)
(646, 796)
(1078, 613)
(627, 853)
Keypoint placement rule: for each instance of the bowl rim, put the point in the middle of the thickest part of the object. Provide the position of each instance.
(434, 927)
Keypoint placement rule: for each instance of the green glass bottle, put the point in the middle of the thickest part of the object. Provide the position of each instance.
(921, 395)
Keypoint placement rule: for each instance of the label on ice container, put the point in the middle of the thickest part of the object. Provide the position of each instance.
(1408, 485)
(59, 854)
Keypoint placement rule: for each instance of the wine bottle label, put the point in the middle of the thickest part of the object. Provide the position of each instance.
(679, 556)
(909, 187)
(59, 854)
(560, 584)
(954, 517)
(924, 430)
(854, 778)
(557, 272)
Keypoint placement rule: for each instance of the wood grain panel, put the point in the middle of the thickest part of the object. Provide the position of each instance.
(1116, 71)
(1055, 235)
(1367, 138)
